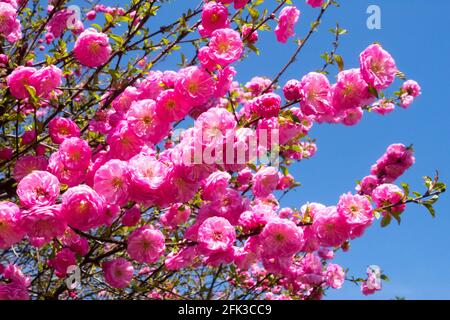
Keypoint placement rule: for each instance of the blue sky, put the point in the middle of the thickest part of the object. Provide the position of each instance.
(415, 255)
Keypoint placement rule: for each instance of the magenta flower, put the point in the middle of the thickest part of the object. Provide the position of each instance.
(18, 80)
(330, 227)
(265, 181)
(378, 67)
(315, 3)
(389, 196)
(170, 106)
(357, 212)
(62, 261)
(216, 234)
(75, 153)
(195, 85)
(92, 48)
(9, 24)
(44, 223)
(281, 238)
(225, 46)
(111, 182)
(146, 244)
(314, 95)
(286, 22)
(214, 16)
(62, 128)
(46, 80)
(118, 272)
(27, 164)
(123, 141)
(39, 188)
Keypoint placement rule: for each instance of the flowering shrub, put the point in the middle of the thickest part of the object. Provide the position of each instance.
(96, 175)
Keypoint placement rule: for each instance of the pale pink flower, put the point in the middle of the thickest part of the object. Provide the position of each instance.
(146, 244)
(27, 164)
(62, 128)
(378, 67)
(215, 235)
(18, 80)
(225, 46)
(92, 48)
(10, 225)
(39, 188)
(286, 22)
(281, 238)
(112, 183)
(75, 153)
(118, 272)
(82, 207)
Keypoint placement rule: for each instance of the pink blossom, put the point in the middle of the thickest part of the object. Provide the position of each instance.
(315, 3)
(123, 102)
(9, 24)
(314, 92)
(17, 286)
(389, 195)
(59, 22)
(225, 46)
(216, 234)
(18, 80)
(291, 90)
(266, 106)
(286, 22)
(352, 116)
(330, 227)
(75, 242)
(195, 85)
(146, 244)
(412, 88)
(383, 107)
(224, 81)
(265, 181)
(82, 207)
(335, 276)
(118, 272)
(46, 80)
(350, 91)
(151, 86)
(131, 216)
(378, 67)
(44, 223)
(281, 238)
(123, 141)
(214, 16)
(65, 175)
(367, 184)
(28, 137)
(75, 153)
(357, 212)
(10, 225)
(181, 259)
(111, 182)
(176, 215)
(170, 106)
(92, 48)
(248, 34)
(39, 188)
(62, 128)
(397, 159)
(62, 261)
(27, 164)
(6, 153)
(215, 185)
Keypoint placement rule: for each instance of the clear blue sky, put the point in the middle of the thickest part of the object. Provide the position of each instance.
(415, 255)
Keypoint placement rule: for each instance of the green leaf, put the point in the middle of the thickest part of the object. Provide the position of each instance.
(386, 220)
(339, 61)
(430, 209)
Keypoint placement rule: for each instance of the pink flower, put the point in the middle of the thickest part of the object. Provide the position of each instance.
(6, 153)
(281, 238)
(92, 48)
(62, 261)
(65, 175)
(123, 141)
(27, 164)
(75, 242)
(82, 207)
(397, 159)
(59, 22)
(214, 127)
(224, 81)
(75, 153)
(286, 22)
(412, 88)
(123, 102)
(214, 16)
(291, 90)
(118, 272)
(215, 235)
(9, 24)
(368, 184)
(225, 46)
(131, 216)
(146, 244)
(62, 128)
(357, 212)
(314, 94)
(44, 223)
(315, 3)
(10, 225)
(330, 227)
(18, 80)
(144, 121)
(383, 107)
(195, 85)
(350, 91)
(17, 286)
(265, 181)
(389, 195)
(170, 106)
(46, 80)
(39, 188)
(238, 4)
(378, 67)
(111, 182)
(352, 116)
(176, 215)
(248, 34)
(181, 259)
(266, 106)
(215, 185)
(335, 276)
